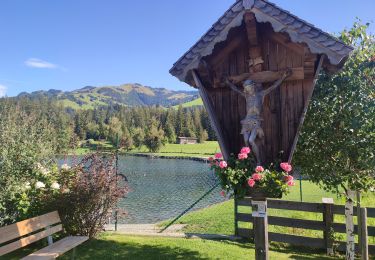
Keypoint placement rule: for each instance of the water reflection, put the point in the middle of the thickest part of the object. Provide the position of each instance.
(164, 188)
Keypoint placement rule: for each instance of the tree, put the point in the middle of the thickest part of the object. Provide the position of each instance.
(126, 140)
(170, 133)
(138, 137)
(154, 138)
(180, 119)
(203, 136)
(169, 126)
(26, 140)
(115, 131)
(337, 144)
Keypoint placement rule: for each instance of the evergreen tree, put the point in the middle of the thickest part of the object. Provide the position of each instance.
(154, 138)
(138, 137)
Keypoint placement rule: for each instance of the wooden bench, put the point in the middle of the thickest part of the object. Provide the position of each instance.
(28, 231)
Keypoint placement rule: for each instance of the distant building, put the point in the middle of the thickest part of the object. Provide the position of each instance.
(187, 140)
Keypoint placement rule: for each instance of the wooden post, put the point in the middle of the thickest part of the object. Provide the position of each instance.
(260, 227)
(359, 221)
(211, 112)
(306, 107)
(364, 235)
(328, 219)
(235, 216)
(350, 242)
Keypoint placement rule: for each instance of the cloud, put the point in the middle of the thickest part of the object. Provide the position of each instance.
(40, 64)
(3, 91)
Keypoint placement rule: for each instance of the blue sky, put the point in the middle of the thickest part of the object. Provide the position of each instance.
(70, 44)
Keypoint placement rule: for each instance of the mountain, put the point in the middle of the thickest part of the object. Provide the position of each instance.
(127, 95)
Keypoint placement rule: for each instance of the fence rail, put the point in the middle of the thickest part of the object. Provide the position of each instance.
(328, 210)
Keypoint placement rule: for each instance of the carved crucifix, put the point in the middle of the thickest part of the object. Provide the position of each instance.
(254, 95)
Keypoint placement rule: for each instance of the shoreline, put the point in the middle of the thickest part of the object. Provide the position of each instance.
(150, 156)
(157, 156)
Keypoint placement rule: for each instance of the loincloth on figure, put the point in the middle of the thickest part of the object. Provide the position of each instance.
(250, 123)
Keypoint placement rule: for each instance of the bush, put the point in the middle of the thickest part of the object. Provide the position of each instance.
(89, 192)
(25, 140)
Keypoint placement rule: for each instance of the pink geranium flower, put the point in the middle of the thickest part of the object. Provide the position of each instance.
(245, 150)
(222, 193)
(242, 156)
(223, 164)
(257, 176)
(218, 156)
(286, 166)
(289, 178)
(291, 183)
(259, 169)
(251, 182)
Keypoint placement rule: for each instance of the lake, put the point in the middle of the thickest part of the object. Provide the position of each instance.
(163, 188)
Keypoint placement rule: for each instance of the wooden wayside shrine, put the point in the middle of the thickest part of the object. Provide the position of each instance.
(256, 40)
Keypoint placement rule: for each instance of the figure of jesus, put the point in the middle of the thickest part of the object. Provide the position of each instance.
(254, 95)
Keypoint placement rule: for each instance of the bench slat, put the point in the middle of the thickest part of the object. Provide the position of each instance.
(29, 240)
(27, 226)
(55, 250)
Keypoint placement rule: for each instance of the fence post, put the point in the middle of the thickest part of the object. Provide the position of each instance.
(359, 221)
(260, 227)
(364, 234)
(235, 216)
(328, 219)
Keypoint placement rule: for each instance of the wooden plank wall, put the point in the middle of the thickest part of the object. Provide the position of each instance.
(230, 107)
(282, 108)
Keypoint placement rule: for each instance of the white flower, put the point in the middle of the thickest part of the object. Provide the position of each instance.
(42, 169)
(55, 186)
(39, 185)
(65, 167)
(27, 186)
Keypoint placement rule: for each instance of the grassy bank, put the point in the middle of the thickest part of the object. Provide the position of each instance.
(203, 150)
(116, 246)
(94, 146)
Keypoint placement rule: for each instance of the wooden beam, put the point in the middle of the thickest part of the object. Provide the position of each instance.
(211, 112)
(284, 40)
(304, 111)
(231, 46)
(269, 76)
(255, 51)
(251, 28)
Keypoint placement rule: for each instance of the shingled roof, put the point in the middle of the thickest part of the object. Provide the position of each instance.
(299, 31)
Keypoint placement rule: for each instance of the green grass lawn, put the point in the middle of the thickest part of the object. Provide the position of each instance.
(195, 102)
(203, 150)
(217, 219)
(103, 146)
(116, 246)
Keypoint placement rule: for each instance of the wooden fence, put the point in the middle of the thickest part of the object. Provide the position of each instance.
(328, 210)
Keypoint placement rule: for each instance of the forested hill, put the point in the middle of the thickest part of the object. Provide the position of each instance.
(127, 95)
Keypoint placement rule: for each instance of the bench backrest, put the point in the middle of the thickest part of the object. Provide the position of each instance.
(28, 231)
